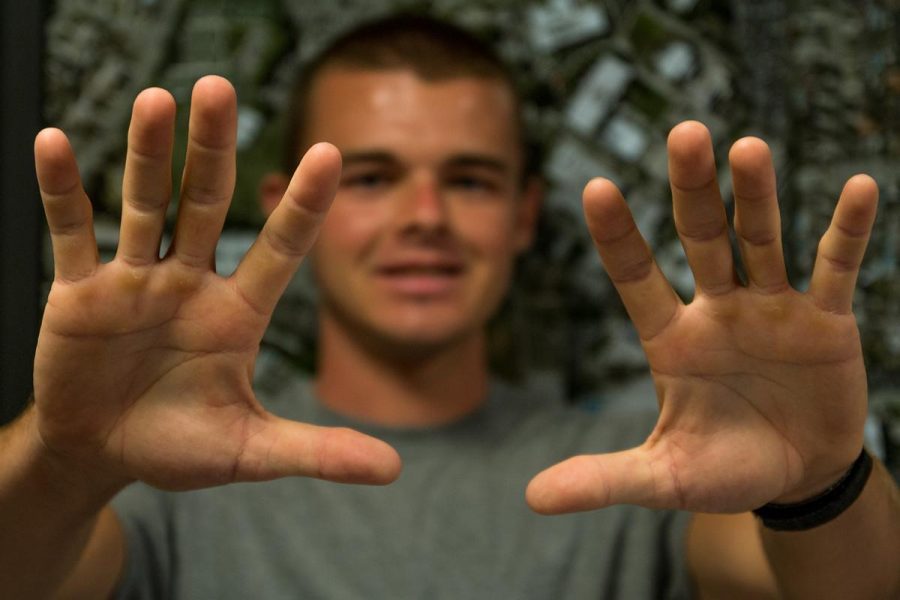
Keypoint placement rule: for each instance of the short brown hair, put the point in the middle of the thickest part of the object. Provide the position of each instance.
(434, 50)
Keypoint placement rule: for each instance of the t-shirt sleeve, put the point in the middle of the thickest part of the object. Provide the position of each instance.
(146, 517)
(678, 584)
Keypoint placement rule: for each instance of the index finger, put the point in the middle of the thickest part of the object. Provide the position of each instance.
(291, 229)
(649, 299)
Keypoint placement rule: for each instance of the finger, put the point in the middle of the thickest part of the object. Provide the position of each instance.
(291, 229)
(842, 247)
(68, 210)
(589, 482)
(283, 448)
(757, 221)
(649, 299)
(209, 172)
(147, 185)
(699, 213)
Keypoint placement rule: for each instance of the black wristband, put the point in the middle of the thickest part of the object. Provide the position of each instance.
(822, 508)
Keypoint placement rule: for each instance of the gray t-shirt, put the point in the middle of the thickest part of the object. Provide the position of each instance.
(455, 524)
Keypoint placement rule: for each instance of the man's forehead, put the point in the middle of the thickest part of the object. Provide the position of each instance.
(385, 87)
(366, 109)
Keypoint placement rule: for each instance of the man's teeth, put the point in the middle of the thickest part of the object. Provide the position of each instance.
(436, 270)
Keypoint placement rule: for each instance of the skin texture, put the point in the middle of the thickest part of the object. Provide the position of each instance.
(431, 176)
(757, 375)
(144, 364)
(418, 248)
(174, 406)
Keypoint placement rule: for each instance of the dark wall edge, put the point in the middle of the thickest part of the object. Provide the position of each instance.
(21, 53)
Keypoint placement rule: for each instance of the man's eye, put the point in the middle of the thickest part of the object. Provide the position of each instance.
(365, 180)
(472, 184)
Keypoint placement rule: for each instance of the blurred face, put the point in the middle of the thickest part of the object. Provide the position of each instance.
(419, 245)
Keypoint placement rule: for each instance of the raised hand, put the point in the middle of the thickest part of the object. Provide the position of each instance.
(761, 388)
(144, 364)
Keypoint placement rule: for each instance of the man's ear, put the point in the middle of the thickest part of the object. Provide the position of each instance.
(529, 210)
(271, 188)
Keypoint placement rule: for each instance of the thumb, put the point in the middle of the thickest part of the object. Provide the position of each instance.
(589, 482)
(284, 448)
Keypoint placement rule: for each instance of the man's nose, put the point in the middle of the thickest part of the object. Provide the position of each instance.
(425, 205)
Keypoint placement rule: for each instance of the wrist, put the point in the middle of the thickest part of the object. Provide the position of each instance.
(823, 507)
(43, 476)
(822, 483)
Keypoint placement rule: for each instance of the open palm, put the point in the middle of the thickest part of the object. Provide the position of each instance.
(144, 365)
(762, 389)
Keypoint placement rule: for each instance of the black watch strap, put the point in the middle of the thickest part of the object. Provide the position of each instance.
(822, 508)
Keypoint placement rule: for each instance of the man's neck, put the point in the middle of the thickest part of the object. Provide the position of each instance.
(434, 387)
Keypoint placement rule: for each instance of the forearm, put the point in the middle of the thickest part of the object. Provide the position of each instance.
(48, 517)
(857, 555)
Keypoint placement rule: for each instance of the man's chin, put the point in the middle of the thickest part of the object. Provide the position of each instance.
(404, 336)
(420, 345)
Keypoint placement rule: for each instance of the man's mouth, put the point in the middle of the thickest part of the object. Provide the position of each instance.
(424, 279)
(423, 270)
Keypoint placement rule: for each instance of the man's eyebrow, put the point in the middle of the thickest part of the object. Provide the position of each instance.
(363, 156)
(484, 161)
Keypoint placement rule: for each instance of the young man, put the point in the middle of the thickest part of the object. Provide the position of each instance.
(144, 367)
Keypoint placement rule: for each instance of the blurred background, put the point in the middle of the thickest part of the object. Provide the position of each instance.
(604, 80)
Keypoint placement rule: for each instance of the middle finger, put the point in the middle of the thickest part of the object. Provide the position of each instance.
(699, 213)
(209, 172)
